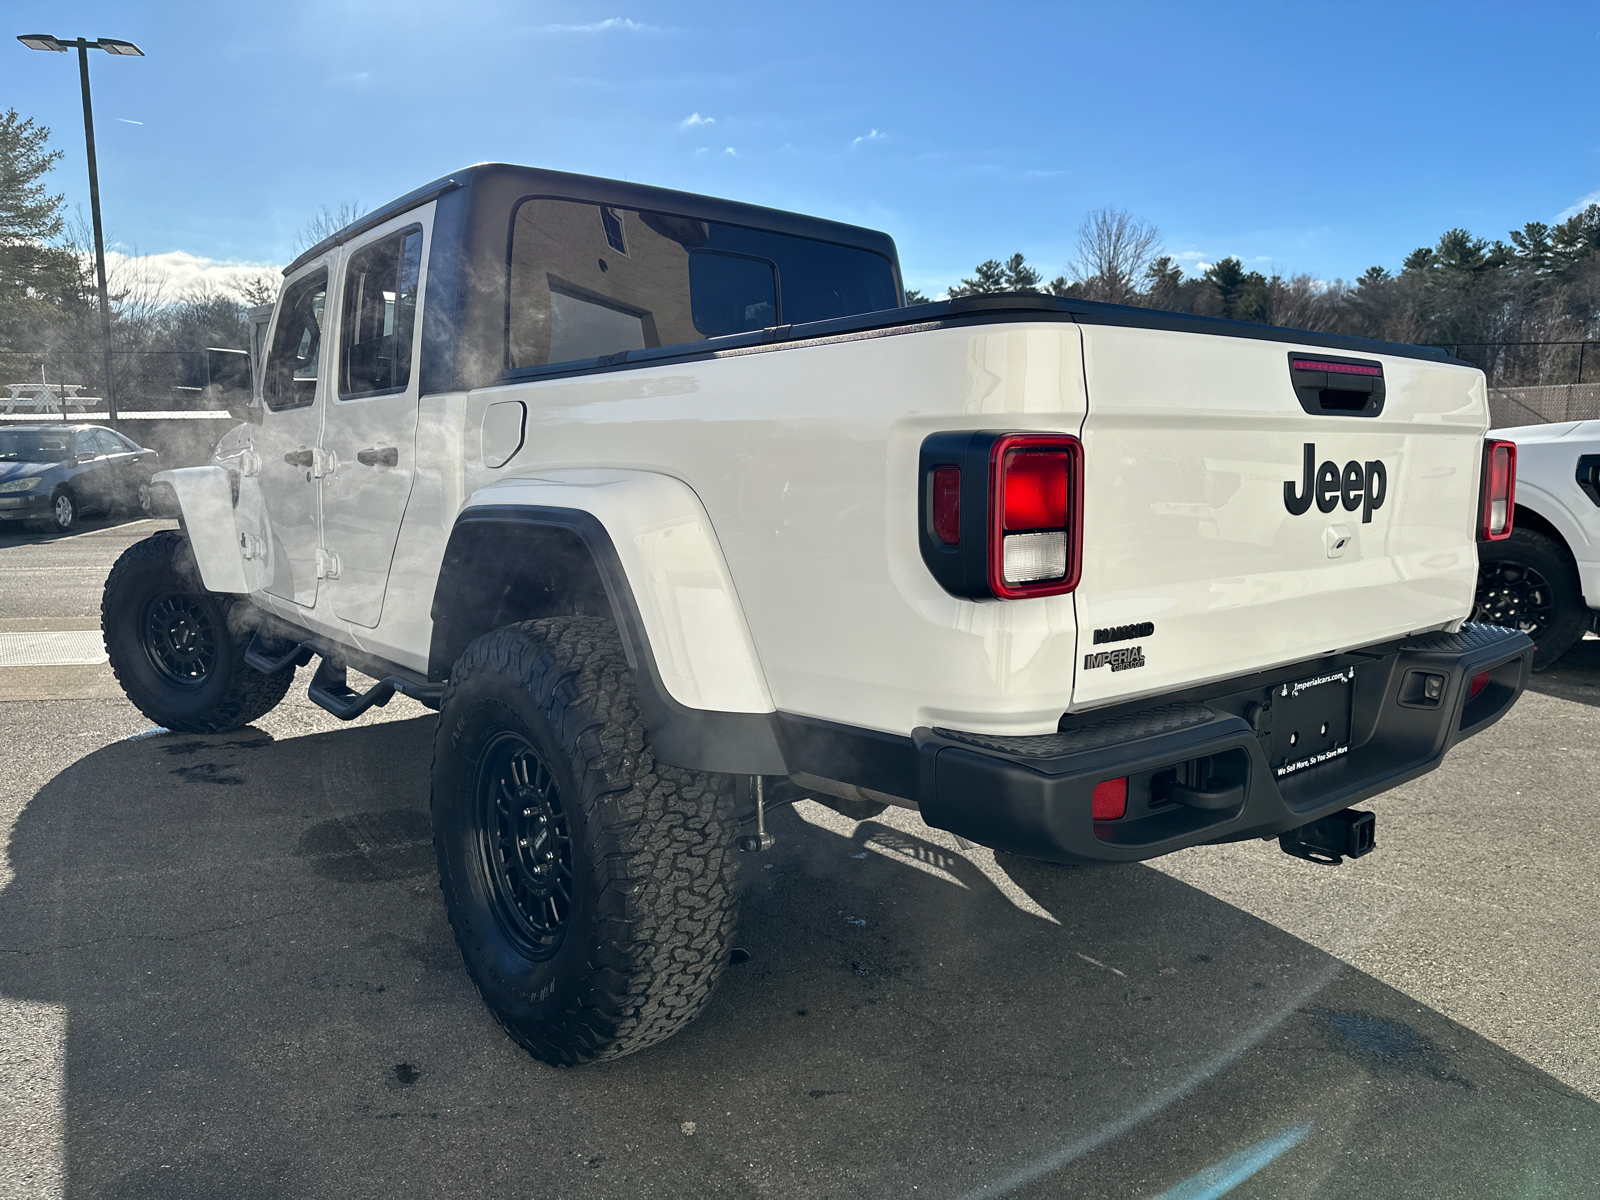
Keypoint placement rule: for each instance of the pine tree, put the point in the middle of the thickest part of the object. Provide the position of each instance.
(1163, 278)
(41, 285)
(989, 276)
(1020, 277)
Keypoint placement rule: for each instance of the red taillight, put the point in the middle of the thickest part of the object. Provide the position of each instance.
(1035, 490)
(1110, 799)
(947, 505)
(1479, 682)
(1499, 490)
(1035, 517)
(1000, 515)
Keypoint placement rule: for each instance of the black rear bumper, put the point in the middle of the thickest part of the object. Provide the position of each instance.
(1032, 795)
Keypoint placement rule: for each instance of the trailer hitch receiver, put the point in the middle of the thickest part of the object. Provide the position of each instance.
(1347, 834)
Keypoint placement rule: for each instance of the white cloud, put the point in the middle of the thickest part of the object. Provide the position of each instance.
(126, 121)
(605, 26)
(732, 151)
(874, 136)
(703, 150)
(695, 119)
(171, 276)
(1583, 203)
(1197, 258)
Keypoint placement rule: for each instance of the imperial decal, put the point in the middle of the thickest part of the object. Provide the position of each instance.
(1125, 659)
(1124, 633)
(1359, 485)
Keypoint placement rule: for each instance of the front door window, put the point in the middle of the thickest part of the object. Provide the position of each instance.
(291, 375)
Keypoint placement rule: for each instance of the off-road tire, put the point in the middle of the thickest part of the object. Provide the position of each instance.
(1528, 581)
(228, 693)
(652, 849)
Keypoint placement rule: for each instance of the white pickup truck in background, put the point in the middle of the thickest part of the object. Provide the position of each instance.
(1545, 578)
(675, 512)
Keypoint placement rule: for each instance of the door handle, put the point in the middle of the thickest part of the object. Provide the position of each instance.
(378, 456)
(298, 458)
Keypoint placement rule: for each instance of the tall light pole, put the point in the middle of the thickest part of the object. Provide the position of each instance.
(45, 41)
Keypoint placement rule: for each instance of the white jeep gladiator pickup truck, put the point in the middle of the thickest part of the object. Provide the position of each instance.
(1545, 578)
(675, 512)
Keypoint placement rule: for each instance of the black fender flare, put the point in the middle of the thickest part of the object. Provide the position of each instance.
(569, 541)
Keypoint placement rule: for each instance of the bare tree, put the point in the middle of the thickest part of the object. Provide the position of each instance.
(1302, 302)
(326, 222)
(1114, 251)
(259, 288)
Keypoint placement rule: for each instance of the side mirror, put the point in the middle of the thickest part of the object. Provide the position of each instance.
(230, 376)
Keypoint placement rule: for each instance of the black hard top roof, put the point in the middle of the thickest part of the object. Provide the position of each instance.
(613, 193)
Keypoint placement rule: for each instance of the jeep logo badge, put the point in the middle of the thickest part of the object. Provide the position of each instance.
(1362, 486)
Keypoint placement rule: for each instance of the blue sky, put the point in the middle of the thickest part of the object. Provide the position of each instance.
(1320, 138)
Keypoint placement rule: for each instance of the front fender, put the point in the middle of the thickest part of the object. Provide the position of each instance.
(668, 556)
(205, 502)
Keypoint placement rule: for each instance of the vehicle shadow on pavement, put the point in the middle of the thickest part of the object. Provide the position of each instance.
(1575, 676)
(14, 533)
(263, 998)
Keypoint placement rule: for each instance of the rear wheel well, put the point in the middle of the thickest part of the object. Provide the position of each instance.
(1526, 518)
(501, 573)
(511, 563)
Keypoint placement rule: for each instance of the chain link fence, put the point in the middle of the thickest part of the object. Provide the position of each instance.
(1537, 383)
(163, 401)
(1531, 383)
(1531, 364)
(67, 384)
(1510, 407)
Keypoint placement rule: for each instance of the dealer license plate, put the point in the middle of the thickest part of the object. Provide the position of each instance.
(1311, 721)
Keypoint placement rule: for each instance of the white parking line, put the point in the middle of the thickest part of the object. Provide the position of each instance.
(74, 648)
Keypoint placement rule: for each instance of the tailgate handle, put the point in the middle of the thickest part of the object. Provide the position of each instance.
(1216, 794)
(1329, 385)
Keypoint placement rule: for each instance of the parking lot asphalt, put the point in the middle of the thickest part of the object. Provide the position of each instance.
(225, 971)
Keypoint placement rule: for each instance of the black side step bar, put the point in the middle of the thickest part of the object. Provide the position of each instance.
(329, 688)
(257, 658)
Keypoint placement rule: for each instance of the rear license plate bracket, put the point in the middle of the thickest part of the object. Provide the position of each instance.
(1311, 721)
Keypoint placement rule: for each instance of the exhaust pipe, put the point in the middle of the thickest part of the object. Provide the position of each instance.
(1347, 834)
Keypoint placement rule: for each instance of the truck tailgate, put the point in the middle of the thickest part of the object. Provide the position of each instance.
(1204, 553)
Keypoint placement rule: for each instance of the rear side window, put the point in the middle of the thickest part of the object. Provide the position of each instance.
(589, 280)
(106, 442)
(290, 380)
(380, 311)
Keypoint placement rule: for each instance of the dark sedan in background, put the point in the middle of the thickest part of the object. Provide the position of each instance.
(52, 474)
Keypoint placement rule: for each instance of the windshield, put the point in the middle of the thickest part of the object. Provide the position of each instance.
(27, 445)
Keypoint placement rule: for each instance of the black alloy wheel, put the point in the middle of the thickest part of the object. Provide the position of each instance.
(177, 649)
(1515, 596)
(593, 891)
(525, 844)
(179, 638)
(1528, 581)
